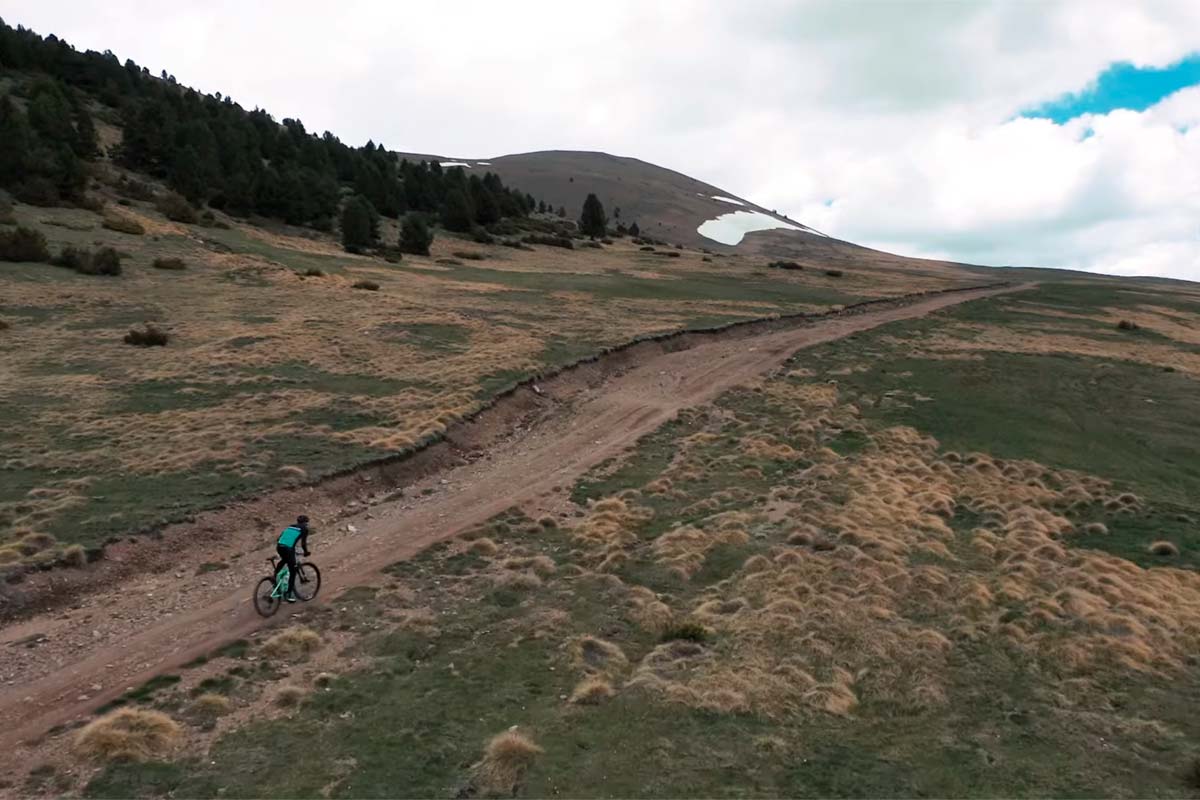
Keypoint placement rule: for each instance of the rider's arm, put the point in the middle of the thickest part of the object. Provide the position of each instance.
(304, 540)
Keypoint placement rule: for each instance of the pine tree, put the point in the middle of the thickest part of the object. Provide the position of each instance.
(592, 220)
(487, 210)
(415, 236)
(457, 214)
(360, 224)
(18, 142)
(634, 230)
(562, 211)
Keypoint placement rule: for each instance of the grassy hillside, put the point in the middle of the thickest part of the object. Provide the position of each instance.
(279, 369)
(953, 556)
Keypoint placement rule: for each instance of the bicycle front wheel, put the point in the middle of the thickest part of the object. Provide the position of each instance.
(265, 601)
(308, 581)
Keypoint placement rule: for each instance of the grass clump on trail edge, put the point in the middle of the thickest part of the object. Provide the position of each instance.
(170, 264)
(370, 286)
(292, 644)
(129, 734)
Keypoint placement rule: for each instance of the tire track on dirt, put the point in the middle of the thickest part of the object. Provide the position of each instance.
(593, 425)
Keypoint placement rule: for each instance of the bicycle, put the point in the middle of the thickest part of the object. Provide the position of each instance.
(269, 592)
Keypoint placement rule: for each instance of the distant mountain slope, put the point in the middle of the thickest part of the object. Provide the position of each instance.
(669, 205)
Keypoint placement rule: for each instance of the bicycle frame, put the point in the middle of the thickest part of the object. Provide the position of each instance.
(281, 582)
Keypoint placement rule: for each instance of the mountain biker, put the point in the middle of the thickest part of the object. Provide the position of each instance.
(285, 545)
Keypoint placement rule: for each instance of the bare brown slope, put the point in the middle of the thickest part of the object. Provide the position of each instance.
(155, 622)
(669, 205)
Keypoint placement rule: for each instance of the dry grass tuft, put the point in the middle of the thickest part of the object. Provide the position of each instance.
(292, 644)
(598, 656)
(506, 760)
(289, 696)
(74, 556)
(592, 691)
(129, 734)
(1164, 549)
(519, 581)
(210, 705)
(484, 547)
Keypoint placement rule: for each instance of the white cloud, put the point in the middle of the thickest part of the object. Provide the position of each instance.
(888, 123)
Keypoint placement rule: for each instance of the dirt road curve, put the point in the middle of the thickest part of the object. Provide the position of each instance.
(58, 667)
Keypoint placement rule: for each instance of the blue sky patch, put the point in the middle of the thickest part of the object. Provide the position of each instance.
(1122, 85)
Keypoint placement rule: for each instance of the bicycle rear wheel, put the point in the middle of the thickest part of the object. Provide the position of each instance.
(308, 581)
(264, 601)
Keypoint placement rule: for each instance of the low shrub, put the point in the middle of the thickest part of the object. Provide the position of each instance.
(834, 273)
(209, 220)
(592, 243)
(606, 240)
(515, 244)
(783, 265)
(105, 261)
(37, 191)
(23, 244)
(75, 258)
(370, 286)
(7, 217)
(671, 254)
(123, 225)
(646, 248)
(4, 325)
(176, 208)
(138, 190)
(706, 258)
(468, 255)
(150, 337)
(550, 240)
(91, 203)
(1128, 325)
(173, 264)
(314, 272)
(481, 236)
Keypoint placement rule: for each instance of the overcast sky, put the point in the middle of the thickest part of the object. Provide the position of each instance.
(979, 131)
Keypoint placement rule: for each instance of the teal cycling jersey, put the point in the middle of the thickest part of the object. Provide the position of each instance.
(289, 536)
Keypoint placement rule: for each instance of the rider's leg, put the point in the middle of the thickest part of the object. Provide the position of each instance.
(287, 557)
(291, 562)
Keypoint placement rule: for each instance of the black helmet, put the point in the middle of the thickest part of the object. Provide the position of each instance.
(302, 520)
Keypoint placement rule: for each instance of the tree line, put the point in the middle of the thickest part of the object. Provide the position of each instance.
(209, 149)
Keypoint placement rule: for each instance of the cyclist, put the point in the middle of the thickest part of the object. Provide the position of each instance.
(286, 547)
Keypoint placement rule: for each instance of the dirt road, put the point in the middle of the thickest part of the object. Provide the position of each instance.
(58, 667)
